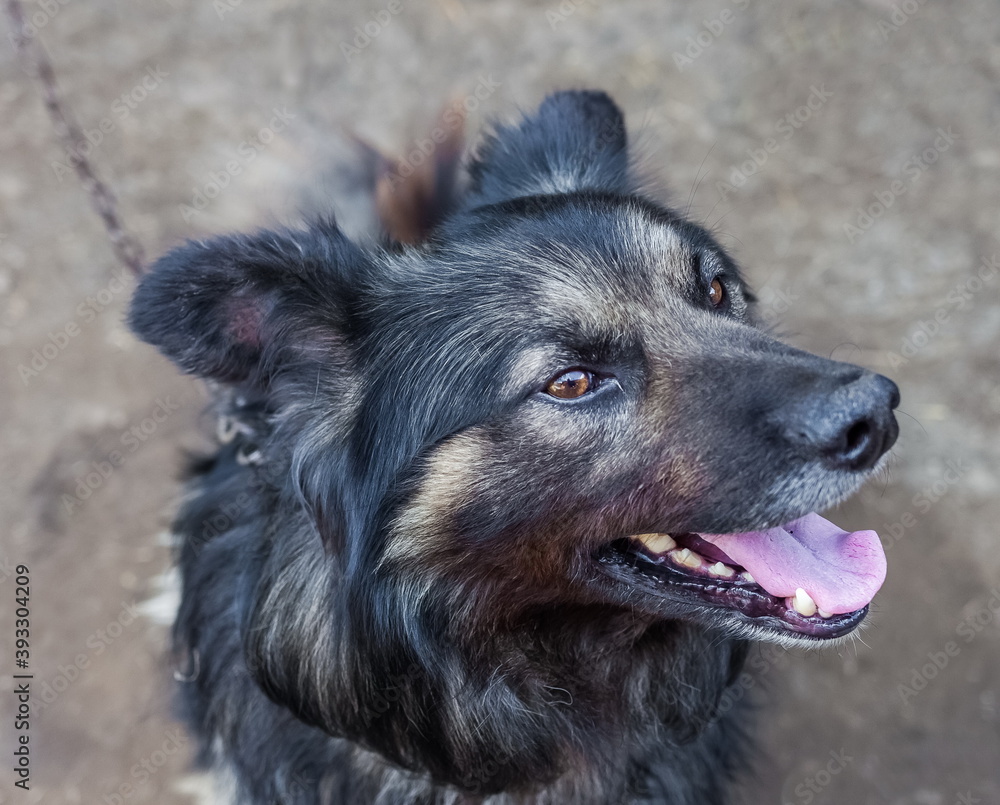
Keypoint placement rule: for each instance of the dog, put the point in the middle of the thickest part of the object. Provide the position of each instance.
(494, 515)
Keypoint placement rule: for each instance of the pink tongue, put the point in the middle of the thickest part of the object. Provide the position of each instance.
(841, 570)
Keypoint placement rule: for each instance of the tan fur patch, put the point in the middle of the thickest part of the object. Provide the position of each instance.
(450, 475)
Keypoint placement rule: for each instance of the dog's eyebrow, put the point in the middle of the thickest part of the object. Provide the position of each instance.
(705, 263)
(531, 364)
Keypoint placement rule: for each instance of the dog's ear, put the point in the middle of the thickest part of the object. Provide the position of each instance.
(575, 141)
(224, 308)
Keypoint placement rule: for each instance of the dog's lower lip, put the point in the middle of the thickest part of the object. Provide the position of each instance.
(726, 587)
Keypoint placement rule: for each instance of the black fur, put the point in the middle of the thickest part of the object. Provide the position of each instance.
(391, 580)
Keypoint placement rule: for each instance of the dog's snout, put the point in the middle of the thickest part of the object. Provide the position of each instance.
(849, 427)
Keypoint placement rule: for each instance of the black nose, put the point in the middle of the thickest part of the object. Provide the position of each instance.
(851, 426)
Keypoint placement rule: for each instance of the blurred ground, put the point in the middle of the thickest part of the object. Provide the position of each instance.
(812, 114)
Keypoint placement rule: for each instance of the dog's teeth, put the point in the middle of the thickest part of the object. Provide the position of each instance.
(686, 557)
(724, 571)
(745, 575)
(823, 613)
(657, 543)
(803, 603)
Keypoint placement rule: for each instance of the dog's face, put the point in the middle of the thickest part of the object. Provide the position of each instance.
(597, 376)
(559, 404)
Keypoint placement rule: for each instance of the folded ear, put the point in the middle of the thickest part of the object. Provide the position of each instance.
(575, 141)
(224, 308)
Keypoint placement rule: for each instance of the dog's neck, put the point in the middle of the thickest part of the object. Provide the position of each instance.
(572, 708)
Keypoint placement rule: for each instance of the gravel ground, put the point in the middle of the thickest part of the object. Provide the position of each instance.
(847, 153)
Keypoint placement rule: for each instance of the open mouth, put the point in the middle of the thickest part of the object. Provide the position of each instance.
(807, 578)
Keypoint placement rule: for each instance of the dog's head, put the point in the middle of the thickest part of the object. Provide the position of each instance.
(560, 403)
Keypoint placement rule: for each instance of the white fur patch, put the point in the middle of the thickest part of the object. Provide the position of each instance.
(204, 788)
(162, 607)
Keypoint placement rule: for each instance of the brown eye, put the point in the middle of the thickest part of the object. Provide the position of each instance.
(571, 385)
(716, 293)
